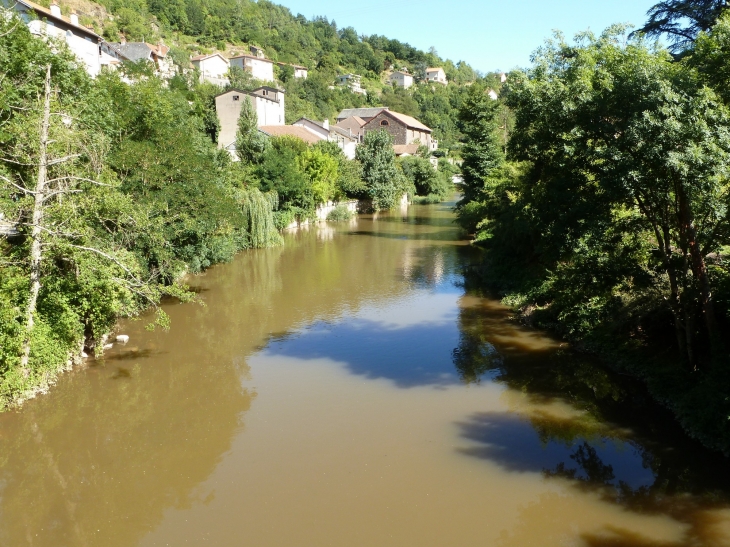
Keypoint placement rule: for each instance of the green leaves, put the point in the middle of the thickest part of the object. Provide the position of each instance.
(385, 185)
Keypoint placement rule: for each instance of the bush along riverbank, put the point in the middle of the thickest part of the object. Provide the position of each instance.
(605, 219)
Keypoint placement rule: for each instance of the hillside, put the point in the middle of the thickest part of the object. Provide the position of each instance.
(192, 27)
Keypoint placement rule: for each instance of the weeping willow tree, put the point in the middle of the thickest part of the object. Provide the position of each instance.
(258, 212)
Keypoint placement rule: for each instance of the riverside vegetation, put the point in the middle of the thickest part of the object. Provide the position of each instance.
(111, 191)
(606, 220)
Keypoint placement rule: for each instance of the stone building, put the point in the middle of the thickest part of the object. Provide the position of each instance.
(405, 129)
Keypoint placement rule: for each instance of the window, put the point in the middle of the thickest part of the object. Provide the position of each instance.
(384, 123)
(236, 97)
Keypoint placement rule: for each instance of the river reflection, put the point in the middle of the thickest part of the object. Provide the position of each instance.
(351, 388)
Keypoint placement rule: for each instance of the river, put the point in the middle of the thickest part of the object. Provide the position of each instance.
(349, 389)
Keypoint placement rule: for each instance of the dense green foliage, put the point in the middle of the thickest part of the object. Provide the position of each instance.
(385, 183)
(425, 179)
(136, 194)
(610, 224)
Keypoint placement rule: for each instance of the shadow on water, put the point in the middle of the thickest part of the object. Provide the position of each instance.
(574, 421)
(443, 236)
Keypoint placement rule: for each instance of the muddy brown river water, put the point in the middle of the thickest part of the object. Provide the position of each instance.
(352, 388)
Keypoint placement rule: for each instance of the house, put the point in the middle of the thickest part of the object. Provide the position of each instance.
(401, 79)
(436, 75)
(352, 126)
(405, 129)
(366, 114)
(502, 77)
(259, 68)
(155, 54)
(492, 94)
(299, 71)
(344, 138)
(321, 129)
(291, 130)
(257, 52)
(213, 68)
(268, 102)
(353, 81)
(83, 42)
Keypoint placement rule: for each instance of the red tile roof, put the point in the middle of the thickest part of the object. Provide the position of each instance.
(408, 121)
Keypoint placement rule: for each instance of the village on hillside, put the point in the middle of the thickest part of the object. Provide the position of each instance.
(98, 54)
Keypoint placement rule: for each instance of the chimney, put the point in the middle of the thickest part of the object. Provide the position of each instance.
(55, 9)
(74, 18)
(326, 124)
(123, 40)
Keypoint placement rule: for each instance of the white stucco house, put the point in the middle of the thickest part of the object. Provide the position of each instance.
(299, 71)
(259, 68)
(213, 68)
(48, 23)
(353, 82)
(401, 79)
(492, 94)
(436, 75)
(267, 101)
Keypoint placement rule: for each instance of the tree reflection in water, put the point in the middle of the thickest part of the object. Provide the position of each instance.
(616, 444)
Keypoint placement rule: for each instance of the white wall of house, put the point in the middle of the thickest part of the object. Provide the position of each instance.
(314, 128)
(300, 72)
(213, 68)
(261, 69)
(353, 82)
(401, 79)
(436, 75)
(270, 112)
(81, 44)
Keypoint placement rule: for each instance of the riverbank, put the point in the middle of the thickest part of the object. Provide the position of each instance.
(698, 400)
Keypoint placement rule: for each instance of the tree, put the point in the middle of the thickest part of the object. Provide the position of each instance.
(682, 20)
(53, 173)
(322, 170)
(482, 154)
(250, 142)
(621, 137)
(425, 179)
(384, 183)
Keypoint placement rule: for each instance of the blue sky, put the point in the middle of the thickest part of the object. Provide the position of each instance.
(489, 35)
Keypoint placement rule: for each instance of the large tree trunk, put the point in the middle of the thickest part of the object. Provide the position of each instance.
(36, 232)
(699, 268)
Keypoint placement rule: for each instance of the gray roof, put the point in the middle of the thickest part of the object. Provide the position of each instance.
(361, 112)
(135, 51)
(343, 132)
